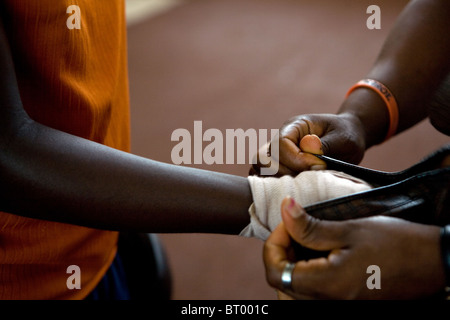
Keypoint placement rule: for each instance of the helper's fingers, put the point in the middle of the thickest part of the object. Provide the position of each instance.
(313, 278)
(297, 159)
(264, 159)
(275, 252)
(292, 154)
(311, 144)
(308, 276)
(290, 159)
(310, 232)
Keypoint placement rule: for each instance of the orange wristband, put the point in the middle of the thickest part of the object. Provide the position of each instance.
(387, 97)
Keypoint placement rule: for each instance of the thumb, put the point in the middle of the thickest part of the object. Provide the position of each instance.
(311, 232)
(311, 143)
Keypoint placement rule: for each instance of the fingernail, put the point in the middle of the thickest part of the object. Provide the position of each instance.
(294, 209)
(291, 203)
(317, 167)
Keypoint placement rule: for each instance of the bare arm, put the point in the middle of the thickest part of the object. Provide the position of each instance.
(48, 174)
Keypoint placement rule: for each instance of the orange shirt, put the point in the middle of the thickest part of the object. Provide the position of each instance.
(74, 80)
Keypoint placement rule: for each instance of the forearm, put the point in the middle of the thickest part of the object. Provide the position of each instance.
(47, 174)
(412, 64)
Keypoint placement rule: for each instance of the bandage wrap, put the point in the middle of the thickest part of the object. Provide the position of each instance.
(306, 188)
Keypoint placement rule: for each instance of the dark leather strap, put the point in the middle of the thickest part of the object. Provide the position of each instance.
(420, 194)
(423, 198)
(381, 178)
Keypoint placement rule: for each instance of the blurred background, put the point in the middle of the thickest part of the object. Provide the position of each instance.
(248, 64)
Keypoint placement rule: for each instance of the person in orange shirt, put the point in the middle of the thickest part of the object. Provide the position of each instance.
(68, 182)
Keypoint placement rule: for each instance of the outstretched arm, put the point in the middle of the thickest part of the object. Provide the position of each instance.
(48, 174)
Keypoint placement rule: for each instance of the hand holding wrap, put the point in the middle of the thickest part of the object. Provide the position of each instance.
(306, 188)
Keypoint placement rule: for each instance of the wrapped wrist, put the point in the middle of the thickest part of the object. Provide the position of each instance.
(306, 188)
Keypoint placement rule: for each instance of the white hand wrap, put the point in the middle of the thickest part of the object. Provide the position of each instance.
(306, 188)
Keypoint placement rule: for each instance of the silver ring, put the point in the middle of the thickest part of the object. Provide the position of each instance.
(286, 276)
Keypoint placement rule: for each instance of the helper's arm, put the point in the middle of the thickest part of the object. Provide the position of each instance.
(51, 175)
(413, 63)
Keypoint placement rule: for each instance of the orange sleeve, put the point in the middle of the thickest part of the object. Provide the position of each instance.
(74, 80)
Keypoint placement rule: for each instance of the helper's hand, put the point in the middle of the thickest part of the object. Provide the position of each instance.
(408, 255)
(307, 188)
(341, 136)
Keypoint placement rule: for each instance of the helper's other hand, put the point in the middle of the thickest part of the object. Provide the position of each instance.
(341, 136)
(407, 254)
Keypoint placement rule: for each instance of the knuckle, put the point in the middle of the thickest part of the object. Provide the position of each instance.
(297, 126)
(325, 147)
